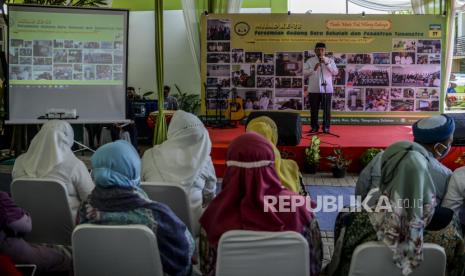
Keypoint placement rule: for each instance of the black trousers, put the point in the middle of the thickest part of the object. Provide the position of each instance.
(317, 100)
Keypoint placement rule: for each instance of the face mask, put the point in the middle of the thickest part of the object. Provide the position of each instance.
(442, 150)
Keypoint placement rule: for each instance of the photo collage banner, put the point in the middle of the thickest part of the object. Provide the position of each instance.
(389, 67)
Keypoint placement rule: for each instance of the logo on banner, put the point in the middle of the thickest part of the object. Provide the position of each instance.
(435, 30)
(241, 28)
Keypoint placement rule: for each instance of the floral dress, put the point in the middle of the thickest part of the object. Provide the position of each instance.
(311, 233)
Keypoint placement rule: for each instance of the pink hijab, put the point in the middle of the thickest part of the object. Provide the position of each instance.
(250, 175)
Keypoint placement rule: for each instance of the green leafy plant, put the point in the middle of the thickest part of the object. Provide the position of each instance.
(312, 152)
(368, 155)
(339, 160)
(73, 3)
(187, 102)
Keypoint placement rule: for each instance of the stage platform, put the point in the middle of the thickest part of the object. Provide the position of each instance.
(354, 140)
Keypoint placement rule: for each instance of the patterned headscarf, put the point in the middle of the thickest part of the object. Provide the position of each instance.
(406, 183)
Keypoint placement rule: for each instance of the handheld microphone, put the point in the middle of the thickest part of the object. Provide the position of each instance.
(322, 61)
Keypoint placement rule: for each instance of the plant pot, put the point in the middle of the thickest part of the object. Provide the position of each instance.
(310, 168)
(338, 172)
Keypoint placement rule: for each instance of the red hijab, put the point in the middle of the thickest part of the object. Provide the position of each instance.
(250, 175)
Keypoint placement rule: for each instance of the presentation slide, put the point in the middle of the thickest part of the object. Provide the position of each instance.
(67, 60)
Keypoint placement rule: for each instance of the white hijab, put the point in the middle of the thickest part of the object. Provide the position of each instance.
(183, 155)
(51, 146)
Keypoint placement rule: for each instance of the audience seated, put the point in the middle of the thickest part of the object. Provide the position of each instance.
(170, 102)
(184, 159)
(118, 200)
(435, 134)
(407, 187)
(50, 156)
(14, 224)
(250, 176)
(287, 169)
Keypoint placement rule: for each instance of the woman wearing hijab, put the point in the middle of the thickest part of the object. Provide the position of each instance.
(250, 176)
(287, 169)
(14, 224)
(413, 219)
(184, 159)
(118, 200)
(50, 156)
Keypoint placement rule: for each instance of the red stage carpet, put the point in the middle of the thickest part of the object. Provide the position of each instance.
(354, 140)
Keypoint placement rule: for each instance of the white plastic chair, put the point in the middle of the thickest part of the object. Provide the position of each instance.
(256, 253)
(103, 250)
(375, 258)
(174, 196)
(46, 200)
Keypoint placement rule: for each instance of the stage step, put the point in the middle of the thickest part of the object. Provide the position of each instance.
(220, 167)
(354, 141)
(219, 152)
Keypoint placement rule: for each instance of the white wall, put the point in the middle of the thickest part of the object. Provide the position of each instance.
(141, 56)
(328, 6)
(179, 62)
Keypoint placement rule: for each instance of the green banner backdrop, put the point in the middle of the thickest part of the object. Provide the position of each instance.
(389, 65)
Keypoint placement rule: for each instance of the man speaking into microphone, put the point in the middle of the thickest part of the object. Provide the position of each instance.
(320, 70)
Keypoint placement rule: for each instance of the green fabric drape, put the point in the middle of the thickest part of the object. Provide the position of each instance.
(201, 6)
(217, 6)
(160, 129)
(449, 44)
(211, 6)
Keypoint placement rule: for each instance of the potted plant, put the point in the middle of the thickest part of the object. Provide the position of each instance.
(312, 156)
(187, 102)
(368, 155)
(339, 163)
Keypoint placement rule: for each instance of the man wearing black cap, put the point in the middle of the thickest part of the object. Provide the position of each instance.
(320, 71)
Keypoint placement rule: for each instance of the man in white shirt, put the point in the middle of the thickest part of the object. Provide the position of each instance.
(320, 71)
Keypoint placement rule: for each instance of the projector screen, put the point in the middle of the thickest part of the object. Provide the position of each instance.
(68, 62)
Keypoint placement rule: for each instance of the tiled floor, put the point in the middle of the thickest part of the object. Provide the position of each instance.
(326, 179)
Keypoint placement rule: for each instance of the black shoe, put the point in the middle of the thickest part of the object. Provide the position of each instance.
(326, 130)
(314, 130)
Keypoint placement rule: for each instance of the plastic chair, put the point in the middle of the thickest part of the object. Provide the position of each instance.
(375, 258)
(174, 196)
(46, 200)
(256, 253)
(122, 250)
